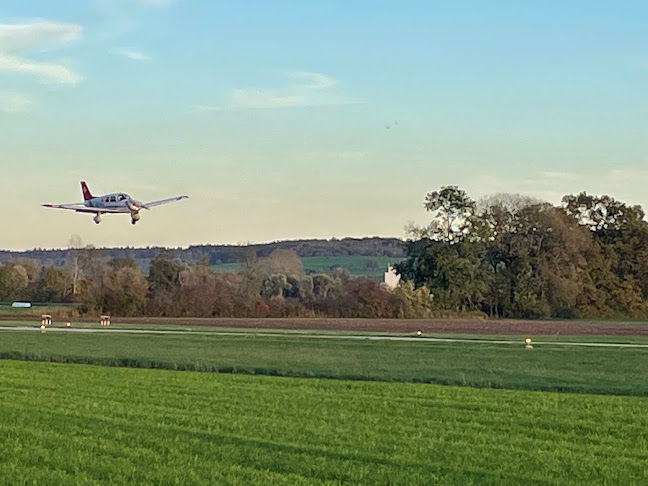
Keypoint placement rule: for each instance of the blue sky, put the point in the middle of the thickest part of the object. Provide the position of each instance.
(319, 119)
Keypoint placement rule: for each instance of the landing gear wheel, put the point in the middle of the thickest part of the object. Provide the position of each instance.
(97, 218)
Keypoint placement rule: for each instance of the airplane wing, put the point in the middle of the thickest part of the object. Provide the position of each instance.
(81, 208)
(164, 201)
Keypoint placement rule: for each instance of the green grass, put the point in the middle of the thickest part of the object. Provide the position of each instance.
(621, 371)
(227, 267)
(37, 310)
(69, 425)
(363, 266)
(367, 266)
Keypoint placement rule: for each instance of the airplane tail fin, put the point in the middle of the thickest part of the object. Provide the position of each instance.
(86, 192)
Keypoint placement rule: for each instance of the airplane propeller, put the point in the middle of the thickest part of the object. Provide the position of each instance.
(134, 205)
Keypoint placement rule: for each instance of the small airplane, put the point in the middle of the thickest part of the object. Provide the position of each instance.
(114, 203)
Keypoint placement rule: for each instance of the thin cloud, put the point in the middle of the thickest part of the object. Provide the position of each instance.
(38, 35)
(14, 102)
(204, 108)
(130, 53)
(253, 98)
(46, 73)
(305, 89)
(312, 81)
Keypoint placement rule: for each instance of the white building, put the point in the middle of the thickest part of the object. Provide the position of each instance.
(391, 277)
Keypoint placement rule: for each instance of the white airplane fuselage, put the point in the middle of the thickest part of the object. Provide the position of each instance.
(117, 200)
(114, 203)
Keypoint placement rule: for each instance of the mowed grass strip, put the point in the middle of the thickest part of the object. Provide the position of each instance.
(621, 371)
(73, 424)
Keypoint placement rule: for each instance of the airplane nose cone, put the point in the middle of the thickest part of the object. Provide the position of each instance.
(139, 204)
(134, 205)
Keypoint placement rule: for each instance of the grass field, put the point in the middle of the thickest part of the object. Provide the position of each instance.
(368, 266)
(37, 309)
(68, 424)
(621, 371)
(74, 424)
(365, 266)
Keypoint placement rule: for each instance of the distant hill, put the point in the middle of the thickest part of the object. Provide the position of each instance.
(230, 254)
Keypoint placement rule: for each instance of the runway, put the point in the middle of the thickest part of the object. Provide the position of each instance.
(421, 339)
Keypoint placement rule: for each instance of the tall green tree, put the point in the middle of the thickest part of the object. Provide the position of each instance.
(13, 281)
(452, 210)
(453, 272)
(53, 285)
(125, 292)
(164, 273)
(622, 233)
(524, 258)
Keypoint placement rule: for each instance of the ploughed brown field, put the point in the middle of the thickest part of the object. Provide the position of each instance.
(438, 326)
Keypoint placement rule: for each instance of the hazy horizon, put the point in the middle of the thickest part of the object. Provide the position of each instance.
(286, 120)
(80, 244)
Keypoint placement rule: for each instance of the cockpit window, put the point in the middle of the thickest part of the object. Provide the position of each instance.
(121, 197)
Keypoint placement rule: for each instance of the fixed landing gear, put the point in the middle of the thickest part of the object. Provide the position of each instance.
(135, 217)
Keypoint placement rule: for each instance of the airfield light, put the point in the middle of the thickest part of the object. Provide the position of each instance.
(527, 343)
(68, 324)
(419, 332)
(42, 328)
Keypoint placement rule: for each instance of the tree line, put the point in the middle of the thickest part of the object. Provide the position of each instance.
(217, 254)
(272, 286)
(512, 256)
(505, 256)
